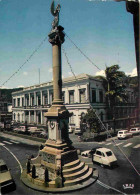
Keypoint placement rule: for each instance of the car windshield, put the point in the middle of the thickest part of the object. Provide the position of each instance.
(109, 153)
(133, 129)
(120, 132)
(3, 168)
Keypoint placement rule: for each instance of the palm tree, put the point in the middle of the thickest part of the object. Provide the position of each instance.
(114, 84)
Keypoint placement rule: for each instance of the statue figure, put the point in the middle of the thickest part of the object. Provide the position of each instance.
(55, 13)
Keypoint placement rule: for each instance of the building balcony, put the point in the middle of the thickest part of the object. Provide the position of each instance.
(31, 107)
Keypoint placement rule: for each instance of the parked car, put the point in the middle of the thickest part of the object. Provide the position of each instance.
(135, 130)
(6, 179)
(36, 133)
(86, 153)
(16, 129)
(32, 129)
(104, 157)
(71, 128)
(89, 153)
(78, 131)
(124, 134)
(43, 134)
(20, 129)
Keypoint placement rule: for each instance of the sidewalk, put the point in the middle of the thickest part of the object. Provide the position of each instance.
(20, 139)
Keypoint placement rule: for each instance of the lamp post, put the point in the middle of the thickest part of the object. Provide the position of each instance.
(128, 122)
(114, 121)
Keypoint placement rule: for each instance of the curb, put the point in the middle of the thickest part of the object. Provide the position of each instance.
(22, 139)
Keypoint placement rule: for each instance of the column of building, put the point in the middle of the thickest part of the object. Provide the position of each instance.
(66, 96)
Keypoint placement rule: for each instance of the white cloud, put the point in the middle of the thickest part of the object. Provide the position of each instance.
(133, 73)
(3, 87)
(100, 73)
(25, 73)
(20, 86)
(70, 73)
(50, 70)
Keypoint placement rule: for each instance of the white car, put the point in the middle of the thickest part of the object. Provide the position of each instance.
(135, 130)
(33, 129)
(86, 153)
(104, 157)
(6, 179)
(43, 134)
(124, 134)
(71, 129)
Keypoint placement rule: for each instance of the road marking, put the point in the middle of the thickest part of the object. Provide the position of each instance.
(108, 144)
(1, 144)
(14, 141)
(102, 184)
(109, 187)
(137, 146)
(129, 144)
(21, 169)
(101, 143)
(118, 144)
(7, 142)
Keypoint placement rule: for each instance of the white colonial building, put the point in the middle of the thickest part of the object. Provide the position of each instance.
(79, 94)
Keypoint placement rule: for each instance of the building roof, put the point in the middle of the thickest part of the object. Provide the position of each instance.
(79, 77)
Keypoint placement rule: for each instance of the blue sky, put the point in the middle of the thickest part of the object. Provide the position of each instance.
(103, 30)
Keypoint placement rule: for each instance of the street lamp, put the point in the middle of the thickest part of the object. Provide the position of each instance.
(114, 121)
(128, 122)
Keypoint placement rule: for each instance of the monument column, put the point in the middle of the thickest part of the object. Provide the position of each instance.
(58, 159)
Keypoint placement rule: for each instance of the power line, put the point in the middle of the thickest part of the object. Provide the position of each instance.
(68, 62)
(82, 53)
(26, 61)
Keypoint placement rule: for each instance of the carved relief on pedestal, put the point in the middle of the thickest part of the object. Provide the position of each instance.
(49, 158)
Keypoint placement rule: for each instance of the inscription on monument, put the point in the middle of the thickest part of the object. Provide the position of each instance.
(48, 158)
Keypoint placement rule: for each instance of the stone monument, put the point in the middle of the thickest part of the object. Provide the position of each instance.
(58, 156)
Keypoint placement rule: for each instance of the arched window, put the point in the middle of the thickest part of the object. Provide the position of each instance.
(18, 117)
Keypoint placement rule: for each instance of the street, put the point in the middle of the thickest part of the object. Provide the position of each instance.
(110, 181)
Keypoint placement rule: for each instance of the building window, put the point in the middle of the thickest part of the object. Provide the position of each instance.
(14, 103)
(18, 100)
(71, 120)
(27, 101)
(14, 116)
(18, 117)
(39, 100)
(51, 97)
(22, 101)
(82, 93)
(23, 117)
(63, 96)
(93, 96)
(71, 97)
(101, 96)
(45, 99)
(5, 106)
(32, 100)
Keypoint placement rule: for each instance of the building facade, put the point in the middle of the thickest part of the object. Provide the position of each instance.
(78, 94)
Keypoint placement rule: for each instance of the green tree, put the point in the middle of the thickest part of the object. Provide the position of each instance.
(114, 83)
(92, 122)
